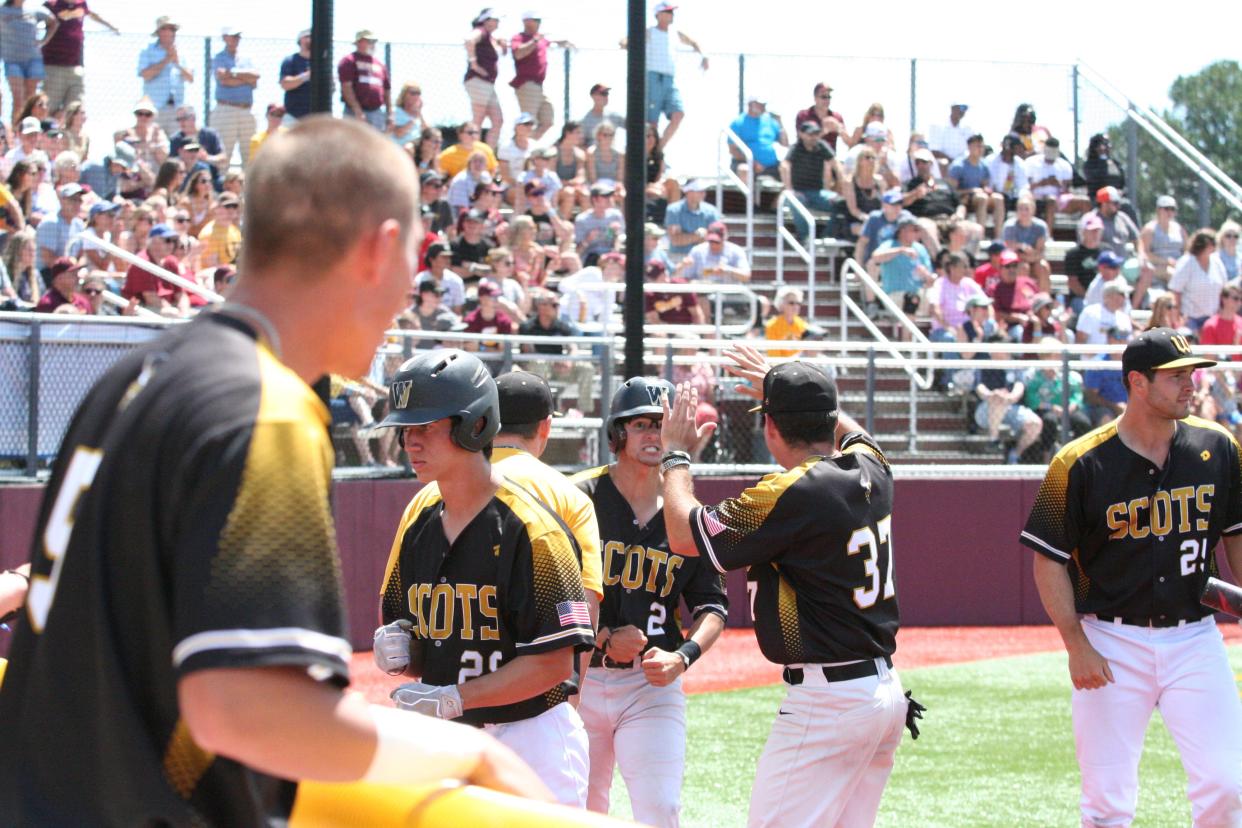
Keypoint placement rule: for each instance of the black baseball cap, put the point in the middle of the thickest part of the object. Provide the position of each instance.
(797, 387)
(524, 398)
(1160, 348)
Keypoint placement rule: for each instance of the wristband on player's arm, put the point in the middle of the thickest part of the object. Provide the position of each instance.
(674, 460)
(690, 652)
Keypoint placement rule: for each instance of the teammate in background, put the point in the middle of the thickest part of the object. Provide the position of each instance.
(817, 541)
(633, 704)
(1126, 523)
(185, 565)
(488, 578)
(526, 411)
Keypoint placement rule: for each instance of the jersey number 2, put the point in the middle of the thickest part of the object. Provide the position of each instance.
(78, 477)
(879, 553)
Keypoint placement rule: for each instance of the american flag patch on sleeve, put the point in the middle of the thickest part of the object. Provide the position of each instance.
(713, 525)
(573, 614)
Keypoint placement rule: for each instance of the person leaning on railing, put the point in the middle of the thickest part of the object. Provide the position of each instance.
(545, 321)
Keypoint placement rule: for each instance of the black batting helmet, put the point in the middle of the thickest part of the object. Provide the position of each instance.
(636, 396)
(447, 383)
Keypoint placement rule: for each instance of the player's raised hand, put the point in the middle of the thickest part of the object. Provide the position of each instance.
(1088, 669)
(626, 643)
(662, 667)
(503, 770)
(749, 364)
(679, 430)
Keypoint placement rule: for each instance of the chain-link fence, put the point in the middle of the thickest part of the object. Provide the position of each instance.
(916, 92)
(995, 405)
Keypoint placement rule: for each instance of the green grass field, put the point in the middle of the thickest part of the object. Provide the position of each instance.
(995, 750)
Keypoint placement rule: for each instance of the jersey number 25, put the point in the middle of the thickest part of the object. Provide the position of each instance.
(879, 552)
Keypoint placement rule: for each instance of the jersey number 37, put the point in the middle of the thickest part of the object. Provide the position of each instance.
(877, 546)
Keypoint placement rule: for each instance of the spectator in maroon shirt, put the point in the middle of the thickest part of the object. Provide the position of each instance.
(365, 86)
(669, 308)
(483, 50)
(1042, 322)
(64, 80)
(488, 318)
(833, 123)
(1012, 296)
(153, 292)
(1225, 326)
(530, 64)
(63, 296)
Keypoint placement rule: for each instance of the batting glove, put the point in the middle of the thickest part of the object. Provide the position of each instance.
(443, 702)
(392, 647)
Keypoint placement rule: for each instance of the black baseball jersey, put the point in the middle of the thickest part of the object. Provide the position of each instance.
(186, 527)
(1139, 540)
(509, 585)
(818, 543)
(644, 581)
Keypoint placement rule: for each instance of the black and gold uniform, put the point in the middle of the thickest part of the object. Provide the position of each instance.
(643, 581)
(186, 527)
(509, 585)
(817, 541)
(1139, 540)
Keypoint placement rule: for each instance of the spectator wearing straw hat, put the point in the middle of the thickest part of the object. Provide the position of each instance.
(366, 89)
(149, 140)
(62, 52)
(295, 75)
(163, 73)
(236, 79)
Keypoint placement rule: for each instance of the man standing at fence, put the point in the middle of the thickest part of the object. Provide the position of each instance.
(164, 73)
(365, 86)
(236, 79)
(295, 78)
(663, 98)
(65, 79)
(530, 64)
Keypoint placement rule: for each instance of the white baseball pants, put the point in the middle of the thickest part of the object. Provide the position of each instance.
(642, 730)
(1184, 672)
(830, 752)
(554, 744)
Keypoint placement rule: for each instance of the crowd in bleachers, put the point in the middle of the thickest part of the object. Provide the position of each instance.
(523, 221)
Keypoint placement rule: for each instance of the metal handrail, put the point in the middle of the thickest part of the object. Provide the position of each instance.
(788, 199)
(717, 290)
(1170, 139)
(723, 171)
(917, 381)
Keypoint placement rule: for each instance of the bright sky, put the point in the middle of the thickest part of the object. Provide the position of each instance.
(1054, 32)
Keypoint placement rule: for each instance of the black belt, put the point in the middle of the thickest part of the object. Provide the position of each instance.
(1141, 621)
(598, 659)
(863, 669)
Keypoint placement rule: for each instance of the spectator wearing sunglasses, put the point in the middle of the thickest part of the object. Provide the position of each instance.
(221, 237)
(63, 296)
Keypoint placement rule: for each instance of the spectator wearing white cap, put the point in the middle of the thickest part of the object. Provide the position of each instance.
(236, 79)
(1198, 278)
(880, 226)
(149, 140)
(874, 137)
(663, 97)
(163, 73)
(295, 78)
(873, 115)
(62, 52)
(483, 50)
(1161, 242)
(512, 156)
(760, 131)
(948, 141)
(686, 220)
(54, 234)
(1050, 177)
(903, 164)
(20, 42)
(29, 130)
(530, 65)
(1111, 312)
(366, 88)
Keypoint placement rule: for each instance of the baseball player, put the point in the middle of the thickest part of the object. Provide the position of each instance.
(185, 651)
(1125, 526)
(633, 704)
(817, 541)
(487, 577)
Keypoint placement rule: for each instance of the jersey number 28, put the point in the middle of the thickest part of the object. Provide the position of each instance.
(879, 552)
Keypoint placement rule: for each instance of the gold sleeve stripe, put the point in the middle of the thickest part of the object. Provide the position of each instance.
(184, 761)
(745, 513)
(588, 474)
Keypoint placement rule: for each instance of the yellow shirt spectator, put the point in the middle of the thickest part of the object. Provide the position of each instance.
(778, 327)
(221, 244)
(453, 160)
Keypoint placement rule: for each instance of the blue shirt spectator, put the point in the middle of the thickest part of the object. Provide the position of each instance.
(295, 78)
(881, 226)
(761, 132)
(19, 36)
(970, 175)
(163, 72)
(54, 234)
(243, 93)
(900, 274)
(688, 217)
(1106, 383)
(104, 176)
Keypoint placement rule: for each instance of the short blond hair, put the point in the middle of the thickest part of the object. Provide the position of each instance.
(319, 187)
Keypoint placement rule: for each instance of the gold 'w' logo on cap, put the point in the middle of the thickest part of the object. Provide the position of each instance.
(1180, 343)
(401, 393)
